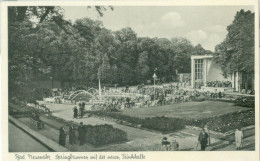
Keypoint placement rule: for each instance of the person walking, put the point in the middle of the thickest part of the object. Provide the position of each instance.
(81, 131)
(75, 112)
(238, 139)
(203, 139)
(62, 137)
(72, 135)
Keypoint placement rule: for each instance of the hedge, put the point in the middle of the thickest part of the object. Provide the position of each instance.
(104, 134)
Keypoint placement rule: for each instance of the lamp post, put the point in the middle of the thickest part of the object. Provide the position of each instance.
(154, 78)
(99, 84)
(51, 82)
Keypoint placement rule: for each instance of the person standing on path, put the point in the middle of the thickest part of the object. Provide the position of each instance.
(72, 135)
(81, 111)
(203, 139)
(62, 137)
(81, 131)
(238, 139)
(75, 111)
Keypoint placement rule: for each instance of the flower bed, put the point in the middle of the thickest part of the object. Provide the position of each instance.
(221, 123)
(162, 124)
(226, 122)
(219, 84)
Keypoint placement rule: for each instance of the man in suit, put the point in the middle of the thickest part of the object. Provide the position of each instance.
(203, 139)
(75, 111)
(72, 135)
(81, 131)
(62, 137)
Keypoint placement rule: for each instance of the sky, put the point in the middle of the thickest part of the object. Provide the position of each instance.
(205, 25)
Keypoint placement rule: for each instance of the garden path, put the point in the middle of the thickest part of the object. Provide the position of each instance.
(138, 139)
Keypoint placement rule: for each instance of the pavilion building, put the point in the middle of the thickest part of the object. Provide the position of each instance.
(204, 71)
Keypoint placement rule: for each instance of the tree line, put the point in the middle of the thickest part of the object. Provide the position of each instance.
(43, 45)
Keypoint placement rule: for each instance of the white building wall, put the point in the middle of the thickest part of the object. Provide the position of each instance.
(192, 73)
(214, 72)
(211, 70)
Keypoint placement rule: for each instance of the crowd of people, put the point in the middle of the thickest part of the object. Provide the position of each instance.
(140, 96)
(150, 96)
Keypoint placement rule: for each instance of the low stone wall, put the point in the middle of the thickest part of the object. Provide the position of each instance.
(42, 139)
(231, 132)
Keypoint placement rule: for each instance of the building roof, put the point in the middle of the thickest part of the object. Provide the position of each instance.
(201, 56)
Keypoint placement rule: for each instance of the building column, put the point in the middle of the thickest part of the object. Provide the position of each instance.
(233, 81)
(238, 81)
(205, 72)
(192, 72)
(237, 85)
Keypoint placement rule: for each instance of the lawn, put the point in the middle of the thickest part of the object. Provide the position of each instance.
(188, 110)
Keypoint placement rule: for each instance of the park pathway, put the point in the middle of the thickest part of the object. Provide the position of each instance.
(138, 139)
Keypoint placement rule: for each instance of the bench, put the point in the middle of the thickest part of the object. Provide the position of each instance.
(37, 124)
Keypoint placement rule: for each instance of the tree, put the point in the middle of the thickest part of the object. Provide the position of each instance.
(181, 59)
(199, 50)
(142, 68)
(43, 44)
(236, 52)
(126, 55)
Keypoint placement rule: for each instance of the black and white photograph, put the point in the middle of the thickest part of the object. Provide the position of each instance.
(118, 78)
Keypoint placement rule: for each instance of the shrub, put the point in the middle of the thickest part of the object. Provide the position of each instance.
(245, 102)
(38, 94)
(104, 134)
(200, 98)
(163, 124)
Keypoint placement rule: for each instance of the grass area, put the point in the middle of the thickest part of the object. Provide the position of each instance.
(187, 110)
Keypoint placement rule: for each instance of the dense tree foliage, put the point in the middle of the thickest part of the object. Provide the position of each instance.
(43, 45)
(236, 52)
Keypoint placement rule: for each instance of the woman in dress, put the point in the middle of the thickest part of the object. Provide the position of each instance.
(238, 138)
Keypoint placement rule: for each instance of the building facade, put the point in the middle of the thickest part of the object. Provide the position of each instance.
(207, 73)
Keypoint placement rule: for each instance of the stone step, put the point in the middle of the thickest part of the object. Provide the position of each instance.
(218, 145)
(222, 144)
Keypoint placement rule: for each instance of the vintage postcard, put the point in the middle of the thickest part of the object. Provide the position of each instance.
(130, 80)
